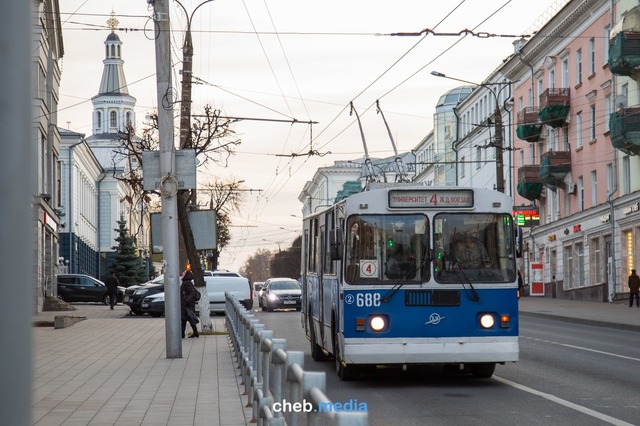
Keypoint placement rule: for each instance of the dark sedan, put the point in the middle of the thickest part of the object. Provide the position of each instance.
(133, 295)
(281, 293)
(153, 305)
(84, 288)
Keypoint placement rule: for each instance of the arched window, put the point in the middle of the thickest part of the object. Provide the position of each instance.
(98, 120)
(128, 118)
(118, 50)
(113, 119)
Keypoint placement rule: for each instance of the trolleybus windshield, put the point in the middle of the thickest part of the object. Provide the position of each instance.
(473, 247)
(387, 248)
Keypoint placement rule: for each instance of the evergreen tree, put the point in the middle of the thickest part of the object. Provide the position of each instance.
(127, 266)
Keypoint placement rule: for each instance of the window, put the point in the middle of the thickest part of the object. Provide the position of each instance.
(565, 72)
(579, 273)
(387, 248)
(476, 244)
(113, 119)
(607, 112)
(578, 66)
(592, 56)
(98, 121)
(552, 79)
(594, 188)
(609, 178)
(595, 263)
(568, 267)
(605, 44)
(580, 193)
(478, 158)
(579, 129)
(592, 125)
(626, 176)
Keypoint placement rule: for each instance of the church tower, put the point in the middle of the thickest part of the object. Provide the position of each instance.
(113, 107)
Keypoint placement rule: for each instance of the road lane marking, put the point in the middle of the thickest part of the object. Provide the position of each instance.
(564, 402)
(583, 349)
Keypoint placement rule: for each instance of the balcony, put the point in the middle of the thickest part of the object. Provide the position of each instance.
(624, 126)
(529, 184)
(529, 127)
(624, 53)
(554, 166)
(554, 107)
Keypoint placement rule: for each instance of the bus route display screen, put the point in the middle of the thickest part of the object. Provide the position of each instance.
(430, 198)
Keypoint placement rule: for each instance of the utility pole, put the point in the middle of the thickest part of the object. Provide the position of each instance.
(187, 246)
(168, 181)
(499, 148)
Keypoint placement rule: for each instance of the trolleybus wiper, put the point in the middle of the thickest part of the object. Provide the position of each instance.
(459, 270)
(405, 276)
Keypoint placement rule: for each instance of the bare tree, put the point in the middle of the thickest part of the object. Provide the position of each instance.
(213, 141)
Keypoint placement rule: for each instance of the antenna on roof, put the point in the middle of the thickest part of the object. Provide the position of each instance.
(401, 170)
(371, 174)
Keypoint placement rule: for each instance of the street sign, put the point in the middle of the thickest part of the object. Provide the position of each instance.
(185, 169)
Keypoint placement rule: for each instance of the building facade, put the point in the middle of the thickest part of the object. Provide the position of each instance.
(566, 164)
(47, 53)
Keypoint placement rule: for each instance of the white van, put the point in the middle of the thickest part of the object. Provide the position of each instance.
(217, 286)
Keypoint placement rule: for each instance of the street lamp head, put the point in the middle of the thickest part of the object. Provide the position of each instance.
(437, 74)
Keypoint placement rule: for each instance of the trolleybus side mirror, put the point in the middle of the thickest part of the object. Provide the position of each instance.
(335, 242)
(518, 239)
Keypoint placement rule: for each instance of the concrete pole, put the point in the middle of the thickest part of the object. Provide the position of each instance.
(17, 227)
(499, 148)
(168, 181)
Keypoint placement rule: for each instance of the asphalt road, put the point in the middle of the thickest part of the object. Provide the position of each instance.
(568, 374)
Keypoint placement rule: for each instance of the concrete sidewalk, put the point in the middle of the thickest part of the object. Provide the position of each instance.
(111, 369)
(617, 314)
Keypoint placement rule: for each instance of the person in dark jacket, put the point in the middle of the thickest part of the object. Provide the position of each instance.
(188, 304)
(112, 284)
(634, 288)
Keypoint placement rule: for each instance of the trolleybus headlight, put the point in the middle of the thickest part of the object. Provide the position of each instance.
(487, 320)
(377, 323)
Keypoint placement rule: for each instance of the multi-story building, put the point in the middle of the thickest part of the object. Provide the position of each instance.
(47, 52)
(566, 164)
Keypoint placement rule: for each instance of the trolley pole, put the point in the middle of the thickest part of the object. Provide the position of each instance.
(168, 181)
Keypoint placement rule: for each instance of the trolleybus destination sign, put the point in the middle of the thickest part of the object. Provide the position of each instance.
(430, 198)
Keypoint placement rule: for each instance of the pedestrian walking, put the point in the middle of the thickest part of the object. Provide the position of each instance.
(634, 288)
(520, 285)
(112, 283)
(188, 300)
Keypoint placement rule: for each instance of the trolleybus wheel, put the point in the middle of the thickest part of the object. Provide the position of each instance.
(316, 350)
(346, 372)
(484, 370)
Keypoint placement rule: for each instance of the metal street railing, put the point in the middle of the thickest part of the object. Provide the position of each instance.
(269, 372)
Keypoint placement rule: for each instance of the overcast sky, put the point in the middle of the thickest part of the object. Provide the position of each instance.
(295, 59)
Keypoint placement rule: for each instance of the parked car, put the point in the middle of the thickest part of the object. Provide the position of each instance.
(217, 286)
(133, 295)
(153, 305)
(281, 293)
(84, 288)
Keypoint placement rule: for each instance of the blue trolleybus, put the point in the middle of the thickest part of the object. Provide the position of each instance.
(412, 275)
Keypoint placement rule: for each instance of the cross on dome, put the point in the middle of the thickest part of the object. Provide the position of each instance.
(113, 22)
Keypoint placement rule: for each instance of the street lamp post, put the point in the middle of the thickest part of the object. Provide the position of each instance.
(499, 144)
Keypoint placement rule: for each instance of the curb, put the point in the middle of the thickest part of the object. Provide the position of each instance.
(596, 323)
